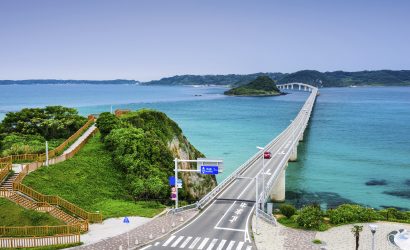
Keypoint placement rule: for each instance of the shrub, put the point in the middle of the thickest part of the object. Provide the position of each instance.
(348, 213)
(394, 214)
(310, 217)
(287, 210)
(317, 241)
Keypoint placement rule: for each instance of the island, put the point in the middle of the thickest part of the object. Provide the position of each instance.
(261, 86)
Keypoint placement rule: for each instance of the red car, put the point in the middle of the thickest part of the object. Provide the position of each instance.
(267, 155)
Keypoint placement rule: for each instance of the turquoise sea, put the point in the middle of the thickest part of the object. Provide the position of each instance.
(356, 149)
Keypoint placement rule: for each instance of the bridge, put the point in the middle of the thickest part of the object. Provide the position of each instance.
(226, 211)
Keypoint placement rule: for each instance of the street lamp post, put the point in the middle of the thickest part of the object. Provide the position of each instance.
(256, 204)
(373, 228)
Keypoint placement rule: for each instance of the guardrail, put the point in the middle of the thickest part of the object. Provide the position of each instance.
(268, 218)
(225, 183)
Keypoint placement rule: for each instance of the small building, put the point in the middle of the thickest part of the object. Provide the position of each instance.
(120, 112)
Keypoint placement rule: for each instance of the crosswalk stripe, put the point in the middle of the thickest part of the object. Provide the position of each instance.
(156, 244)
(213, 242)
(185, 242)
(169, 241)
(240, 245)
(248, 247)
(221, 245)
(229, 247)
(177, 241)
(203, 243)
(193, 244)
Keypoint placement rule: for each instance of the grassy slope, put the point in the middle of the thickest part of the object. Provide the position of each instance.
(91, 181)
(12, 214)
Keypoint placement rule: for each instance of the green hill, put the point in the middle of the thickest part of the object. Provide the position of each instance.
(261, 86)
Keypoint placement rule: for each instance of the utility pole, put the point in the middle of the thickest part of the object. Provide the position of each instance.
(176, 181)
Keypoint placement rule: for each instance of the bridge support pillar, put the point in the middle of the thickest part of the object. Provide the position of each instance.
(278, 191)
(291, 86)
(294, 154)
(301, 137)
(300, 87)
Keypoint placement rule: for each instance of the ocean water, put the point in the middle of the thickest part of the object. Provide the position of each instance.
(356, 135)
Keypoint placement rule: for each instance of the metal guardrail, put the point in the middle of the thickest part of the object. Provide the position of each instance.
(225, 183)
(185, 208)
(266, 217)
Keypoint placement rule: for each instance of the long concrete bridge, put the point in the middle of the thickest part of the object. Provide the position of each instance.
(227, 210)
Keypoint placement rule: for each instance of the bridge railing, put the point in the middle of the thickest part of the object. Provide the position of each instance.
(227, 181)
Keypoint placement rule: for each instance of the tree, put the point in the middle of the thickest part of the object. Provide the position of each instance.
(107, 122)
(356, 232)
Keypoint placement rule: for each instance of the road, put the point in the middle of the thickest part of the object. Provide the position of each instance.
(224, 224)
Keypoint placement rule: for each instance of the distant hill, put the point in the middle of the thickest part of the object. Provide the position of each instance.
(261, 86)
(316, 78)
(343, 79)
(55, 81)
(231, 79)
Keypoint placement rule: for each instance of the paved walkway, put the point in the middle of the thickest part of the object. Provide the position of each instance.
(80, 139)
(141, 235)
(337, 238)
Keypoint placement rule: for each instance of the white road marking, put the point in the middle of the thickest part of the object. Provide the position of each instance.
(177, 241)
(268, 172)
(213, 242)
(185, 242)
(194, 243)
(156, 243)
(203, 243)
(229, 247)
(230, 229)
(240, 245)
(227, 211)
(146, 247)
(248, 247)
(221, 245)
(169, 241)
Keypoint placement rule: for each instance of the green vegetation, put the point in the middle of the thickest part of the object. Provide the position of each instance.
(92, 181)
(316, 241)
(287, 210)
(27, 130)
(313, 218)
(261, 86)
(142, 150)
(12, 214)
(316, 78)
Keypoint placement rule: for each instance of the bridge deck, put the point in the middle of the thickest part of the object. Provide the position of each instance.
(224, 222)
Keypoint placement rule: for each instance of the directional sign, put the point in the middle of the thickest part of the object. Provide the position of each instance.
(204, 162)
(209, 170)
(171, 180)
(126, 220)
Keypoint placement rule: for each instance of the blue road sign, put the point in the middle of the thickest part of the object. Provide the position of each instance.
(171, 180)
(209, 169)
(126, 220)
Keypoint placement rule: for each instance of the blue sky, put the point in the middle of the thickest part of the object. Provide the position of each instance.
(143, 40)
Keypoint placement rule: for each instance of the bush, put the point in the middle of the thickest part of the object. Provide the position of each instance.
(392, 214)
(317, 241)
(310, 217)
(287, 210)
(348, 213)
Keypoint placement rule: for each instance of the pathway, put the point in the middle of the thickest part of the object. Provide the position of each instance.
(338, 238)
(80, 139)
(141, 235)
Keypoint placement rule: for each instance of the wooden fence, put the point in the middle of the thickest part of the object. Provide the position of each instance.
(39, 241)
(52, 199)
(4, 171)
(39, 231)
(52, 153)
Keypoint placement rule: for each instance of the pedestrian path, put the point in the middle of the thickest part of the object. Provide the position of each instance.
(80, 139)
(200, 243)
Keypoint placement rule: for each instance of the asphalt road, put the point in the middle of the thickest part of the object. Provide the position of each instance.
(224, 224)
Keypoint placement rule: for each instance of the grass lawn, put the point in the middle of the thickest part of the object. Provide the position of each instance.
(12, 214)
(91, 181)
